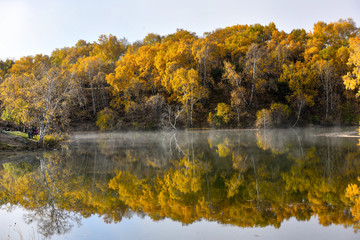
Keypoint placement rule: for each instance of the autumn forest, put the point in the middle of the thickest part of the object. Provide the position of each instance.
(236, 77)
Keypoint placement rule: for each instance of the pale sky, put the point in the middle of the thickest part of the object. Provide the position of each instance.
(28, 27)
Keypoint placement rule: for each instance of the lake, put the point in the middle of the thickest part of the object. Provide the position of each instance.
(238, 184)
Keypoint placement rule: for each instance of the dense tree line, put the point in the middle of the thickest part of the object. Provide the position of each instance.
(238, 76)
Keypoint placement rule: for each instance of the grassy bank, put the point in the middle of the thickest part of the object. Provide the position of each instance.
(19, 141)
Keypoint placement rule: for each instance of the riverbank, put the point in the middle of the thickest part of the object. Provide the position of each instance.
(11, 142)
(13, 138)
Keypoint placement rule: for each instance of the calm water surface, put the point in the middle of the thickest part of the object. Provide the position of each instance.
(248, 184)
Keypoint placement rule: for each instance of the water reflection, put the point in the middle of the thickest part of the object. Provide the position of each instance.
(242, 178)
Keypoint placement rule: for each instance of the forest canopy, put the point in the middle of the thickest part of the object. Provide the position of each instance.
(238, 76)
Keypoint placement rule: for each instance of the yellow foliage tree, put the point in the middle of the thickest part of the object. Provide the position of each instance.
(223, 111)
(188, 90)
(352, 79)
(301, 84)
(125, 82)
(40, 98)
(109, 48)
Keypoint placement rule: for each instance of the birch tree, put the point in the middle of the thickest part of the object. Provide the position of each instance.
(51, 98)
(42, 99)
(326, 70)
(237, 89)
(187, 87)
(253, 69)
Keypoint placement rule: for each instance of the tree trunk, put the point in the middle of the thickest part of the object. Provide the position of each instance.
(41, 138)
(298, 116)
(327, 104)
(253, 83)
(42, 133)
(191, 111)
(205, 73)
(238, 114)
(93, 97)
(326, 89)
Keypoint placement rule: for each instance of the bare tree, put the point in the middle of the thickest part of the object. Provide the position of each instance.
(326, 73)
(174, 115)
(253, 61)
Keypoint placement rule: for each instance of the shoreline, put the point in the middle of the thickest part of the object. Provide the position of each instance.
(12, 143)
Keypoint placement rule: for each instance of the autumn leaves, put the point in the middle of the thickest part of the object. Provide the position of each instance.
(244, 69)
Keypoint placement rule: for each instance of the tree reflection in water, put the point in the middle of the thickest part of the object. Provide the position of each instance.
(244, 178)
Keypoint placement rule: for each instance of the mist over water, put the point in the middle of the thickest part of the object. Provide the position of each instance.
(253, 183)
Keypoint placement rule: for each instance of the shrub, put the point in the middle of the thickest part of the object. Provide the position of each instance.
(132, 107)
(210, 119)
(155, 107)
(136, 125)
(53, 140)
(279, 113)
(223, 113)
(348, 114)
(106, 119)
(263, 119)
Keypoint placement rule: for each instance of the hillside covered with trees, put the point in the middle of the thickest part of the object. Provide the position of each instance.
(239, 76)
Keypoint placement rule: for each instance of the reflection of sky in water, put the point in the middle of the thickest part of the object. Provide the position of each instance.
(138, 228)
